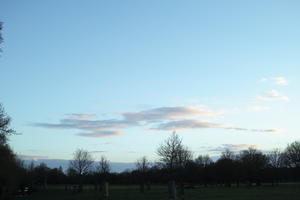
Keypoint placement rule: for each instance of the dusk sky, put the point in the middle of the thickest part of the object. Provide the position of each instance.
(118, 77)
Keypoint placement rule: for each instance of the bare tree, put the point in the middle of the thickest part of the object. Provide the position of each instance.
(253, 161)
(227, 154)
(103, 168)
(173, 153)
(175, 157)
(81, 162)
(142, 166)
(292, 153)
(203, 160)
(275, 158)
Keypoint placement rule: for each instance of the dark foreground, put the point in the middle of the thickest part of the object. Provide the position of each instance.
(281, 192)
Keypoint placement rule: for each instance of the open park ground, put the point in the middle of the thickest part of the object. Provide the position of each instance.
(118, 192)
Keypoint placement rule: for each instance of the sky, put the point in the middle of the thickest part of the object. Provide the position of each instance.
(116, 78)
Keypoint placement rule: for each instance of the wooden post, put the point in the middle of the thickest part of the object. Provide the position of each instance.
(172, 190)
(105, 190)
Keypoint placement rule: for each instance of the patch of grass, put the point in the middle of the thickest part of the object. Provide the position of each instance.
(131, 192)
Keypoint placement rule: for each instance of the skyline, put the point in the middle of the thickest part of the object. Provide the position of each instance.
(117, 78)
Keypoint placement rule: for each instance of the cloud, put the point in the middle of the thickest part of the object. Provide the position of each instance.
(31, 157)
(186, 124)
(233, 147)
(254, 130)
(280, 81)
(258, 108)
(91, 128)
(276, 80)
(198, 124)
(273, 95)
(98, 152)
(167, 113)
(81, 116)
(98, 134)
(162, 119)
(83, 124)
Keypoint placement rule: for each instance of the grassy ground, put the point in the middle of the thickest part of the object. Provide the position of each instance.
(282, 192)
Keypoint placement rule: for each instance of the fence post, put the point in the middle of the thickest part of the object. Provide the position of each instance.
(172, 190)
(106, 190)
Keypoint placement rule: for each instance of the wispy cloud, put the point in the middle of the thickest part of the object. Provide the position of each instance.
(162, 119)
(31, 157)
(98, 152)
(233, 147)
(276, 80)
(186, 124)
(167, 113)
(98, 134)
(258, 108)
(83, 124)
(254, 130)
(80, 116)
(90, 128)
(273, 95)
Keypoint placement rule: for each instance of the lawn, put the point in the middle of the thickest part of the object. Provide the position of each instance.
(282, 192)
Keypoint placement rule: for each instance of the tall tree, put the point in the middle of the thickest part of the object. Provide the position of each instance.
(5, 129)
(275, 158)
(81, 163)
(203, 160)
(292, 153)
(253, 161)
(175, 157)
(173, 153)
(142, 166)
(103, 169)
(10, 167)
(226, 167)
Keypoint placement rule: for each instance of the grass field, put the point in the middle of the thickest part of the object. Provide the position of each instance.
(282, 192)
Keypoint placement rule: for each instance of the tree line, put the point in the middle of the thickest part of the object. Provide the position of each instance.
(247, 167)
(176, 165)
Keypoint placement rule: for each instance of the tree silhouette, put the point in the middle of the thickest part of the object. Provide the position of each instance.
(103, 170)
(10, 167)
(142, 166)
(81, 163)
(175, 156)
(253, 161)
(292, 152)
(173, 153)
(5, 130)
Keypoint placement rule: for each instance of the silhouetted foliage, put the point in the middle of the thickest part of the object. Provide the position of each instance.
(11, 169)
(142, 166)
(292, 153)
(173, 154)
(176, 163)
(82, 162)
(5, 130)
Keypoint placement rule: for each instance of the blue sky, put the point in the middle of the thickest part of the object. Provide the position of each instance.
(117, 77)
